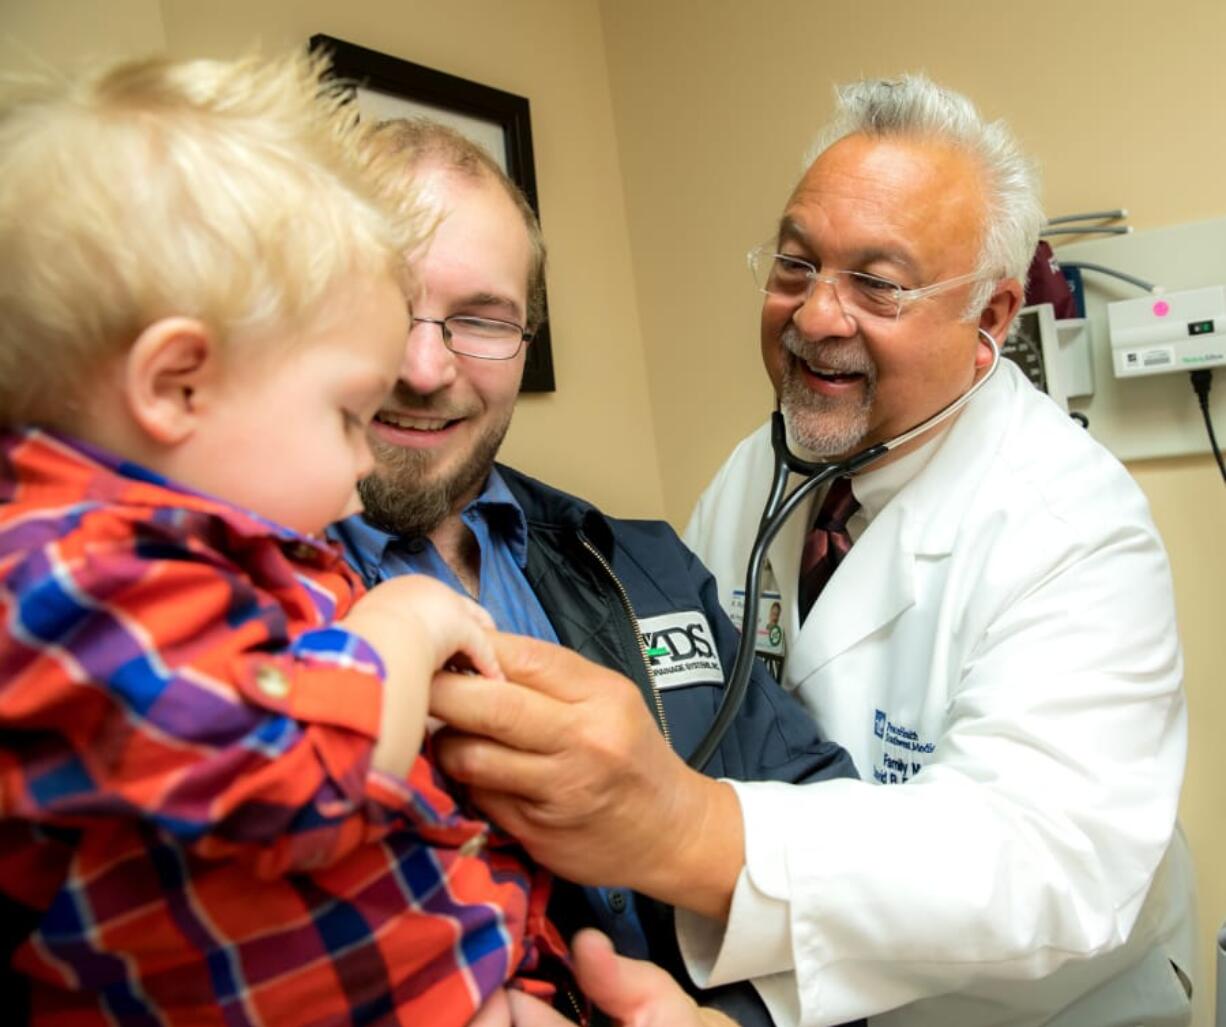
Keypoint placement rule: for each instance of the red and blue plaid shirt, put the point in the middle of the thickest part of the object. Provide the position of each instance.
(186, 799)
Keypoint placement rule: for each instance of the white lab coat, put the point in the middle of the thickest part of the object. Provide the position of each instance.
(998, 648)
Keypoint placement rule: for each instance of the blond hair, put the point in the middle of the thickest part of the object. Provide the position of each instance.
(237, 192)
(420, 140)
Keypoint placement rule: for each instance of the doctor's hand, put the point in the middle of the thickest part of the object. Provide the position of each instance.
(565, 756)
(633, 993)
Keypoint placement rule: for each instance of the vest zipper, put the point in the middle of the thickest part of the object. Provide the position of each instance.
(634, 622)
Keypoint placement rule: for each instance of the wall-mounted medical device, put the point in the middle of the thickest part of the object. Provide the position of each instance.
(1054, 354)
(1172, 331)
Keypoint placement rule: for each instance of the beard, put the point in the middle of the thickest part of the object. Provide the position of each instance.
(825, 426)
(403, 499)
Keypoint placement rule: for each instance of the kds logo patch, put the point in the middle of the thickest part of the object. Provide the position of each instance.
(681, 649)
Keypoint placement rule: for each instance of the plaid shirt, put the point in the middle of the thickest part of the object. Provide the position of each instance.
(185, 792)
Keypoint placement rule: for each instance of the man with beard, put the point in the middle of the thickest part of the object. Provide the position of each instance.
(997, 647)
(627, 595)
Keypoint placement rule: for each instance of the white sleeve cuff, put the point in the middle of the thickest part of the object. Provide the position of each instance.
(757, 940)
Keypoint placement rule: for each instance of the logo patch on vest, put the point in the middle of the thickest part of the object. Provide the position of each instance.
(681, 649)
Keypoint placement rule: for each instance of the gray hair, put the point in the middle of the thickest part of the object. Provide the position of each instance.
(915, 106)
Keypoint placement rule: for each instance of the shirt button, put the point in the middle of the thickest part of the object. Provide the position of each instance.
(416, 546)
(271, 682)
(303, 552)
(617, 901)
(474, 845)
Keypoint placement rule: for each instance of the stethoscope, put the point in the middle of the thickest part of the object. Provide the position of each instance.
(774, 514)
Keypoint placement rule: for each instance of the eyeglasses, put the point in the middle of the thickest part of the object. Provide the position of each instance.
(859, 294)
(480, 337)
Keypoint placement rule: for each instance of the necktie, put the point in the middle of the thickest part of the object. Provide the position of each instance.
(827, 542)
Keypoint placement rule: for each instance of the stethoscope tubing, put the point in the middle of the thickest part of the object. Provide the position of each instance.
(775, 514)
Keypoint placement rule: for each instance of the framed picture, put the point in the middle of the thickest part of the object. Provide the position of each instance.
(389, 87)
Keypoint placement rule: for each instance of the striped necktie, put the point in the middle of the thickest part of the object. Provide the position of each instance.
(827, 542)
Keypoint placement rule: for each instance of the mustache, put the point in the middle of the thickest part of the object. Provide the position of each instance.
(404, 398)
(841, 357)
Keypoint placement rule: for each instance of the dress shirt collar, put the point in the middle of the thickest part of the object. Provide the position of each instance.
(495, 505)
(876, 486)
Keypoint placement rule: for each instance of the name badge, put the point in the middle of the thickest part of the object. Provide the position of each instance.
(769, 642)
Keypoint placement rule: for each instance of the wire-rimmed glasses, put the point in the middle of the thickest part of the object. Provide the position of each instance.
(860, 294)
(482, 337)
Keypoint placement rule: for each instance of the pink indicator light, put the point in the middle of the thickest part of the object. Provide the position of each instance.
(1161, 308)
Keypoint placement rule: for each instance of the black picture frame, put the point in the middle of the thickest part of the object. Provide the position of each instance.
(395, 76)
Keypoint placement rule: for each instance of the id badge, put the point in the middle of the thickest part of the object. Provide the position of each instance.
(769, 642)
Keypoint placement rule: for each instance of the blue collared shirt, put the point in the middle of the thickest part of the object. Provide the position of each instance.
(500, 527)
(497, 522)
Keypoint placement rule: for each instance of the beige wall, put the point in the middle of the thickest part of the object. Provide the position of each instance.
(715, 102)
(667, 135)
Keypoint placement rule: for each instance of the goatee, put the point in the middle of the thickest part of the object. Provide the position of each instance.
(401, 497)
(824, 426)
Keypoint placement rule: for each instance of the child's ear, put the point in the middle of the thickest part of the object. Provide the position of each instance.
(167, 368)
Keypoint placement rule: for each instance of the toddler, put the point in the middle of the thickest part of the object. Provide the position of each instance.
(213, 806)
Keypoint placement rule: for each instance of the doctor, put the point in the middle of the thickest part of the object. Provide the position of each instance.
(997, 647)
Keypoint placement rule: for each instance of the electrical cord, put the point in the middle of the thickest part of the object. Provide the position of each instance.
(1201, 380)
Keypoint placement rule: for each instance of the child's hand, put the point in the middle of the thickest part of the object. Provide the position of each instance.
(448, 624)
(454, 624)
(417, 626)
